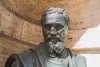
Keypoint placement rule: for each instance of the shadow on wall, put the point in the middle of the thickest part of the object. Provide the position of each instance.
(7, 5)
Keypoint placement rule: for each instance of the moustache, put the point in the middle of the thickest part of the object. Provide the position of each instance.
(53, 39)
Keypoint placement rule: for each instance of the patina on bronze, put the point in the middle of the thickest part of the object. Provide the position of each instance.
(52, 52)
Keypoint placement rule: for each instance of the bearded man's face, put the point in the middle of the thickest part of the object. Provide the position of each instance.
(54, 29)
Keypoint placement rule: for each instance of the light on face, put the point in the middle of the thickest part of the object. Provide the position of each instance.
(55, 24)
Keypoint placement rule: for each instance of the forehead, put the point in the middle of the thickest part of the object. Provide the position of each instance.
(54, 19)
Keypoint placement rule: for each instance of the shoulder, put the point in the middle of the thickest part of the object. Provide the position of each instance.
(76, 57)
(23, 59)
(11, 61)
(80, 61)
(80, 58)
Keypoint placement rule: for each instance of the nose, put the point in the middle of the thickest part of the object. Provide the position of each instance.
(53, 31)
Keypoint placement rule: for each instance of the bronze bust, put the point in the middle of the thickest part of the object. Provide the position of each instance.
(52, 52)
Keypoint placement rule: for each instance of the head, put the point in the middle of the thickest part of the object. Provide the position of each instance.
(55, 23)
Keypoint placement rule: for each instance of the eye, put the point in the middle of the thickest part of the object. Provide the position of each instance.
(58, 26)
(47, 26)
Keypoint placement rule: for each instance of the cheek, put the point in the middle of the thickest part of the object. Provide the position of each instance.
(45, 32)
(62, 33)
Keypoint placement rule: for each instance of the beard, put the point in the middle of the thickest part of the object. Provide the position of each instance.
(54, 45)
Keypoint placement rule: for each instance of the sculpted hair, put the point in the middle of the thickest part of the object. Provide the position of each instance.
(58, 11)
